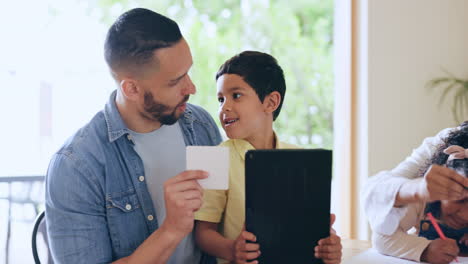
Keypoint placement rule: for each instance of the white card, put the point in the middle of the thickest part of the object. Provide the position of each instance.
(214, 160)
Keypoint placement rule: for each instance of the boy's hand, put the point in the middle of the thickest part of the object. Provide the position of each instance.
(440, 251)
(242, 251)
(329, 249)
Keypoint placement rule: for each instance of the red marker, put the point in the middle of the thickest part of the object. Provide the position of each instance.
(437, 228)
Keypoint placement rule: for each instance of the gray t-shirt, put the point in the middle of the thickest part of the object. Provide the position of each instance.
(163, 154)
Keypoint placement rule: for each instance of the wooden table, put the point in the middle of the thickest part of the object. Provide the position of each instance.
(353, 247)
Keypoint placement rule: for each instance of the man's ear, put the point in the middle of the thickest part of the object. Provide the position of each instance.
(272, 102)
(130, 89)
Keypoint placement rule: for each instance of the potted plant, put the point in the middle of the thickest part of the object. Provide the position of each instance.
(459, 88)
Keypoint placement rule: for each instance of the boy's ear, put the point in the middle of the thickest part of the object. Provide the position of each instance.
(130, 89)
(272, 102)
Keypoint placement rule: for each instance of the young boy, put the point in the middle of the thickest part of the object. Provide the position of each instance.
(251, 89)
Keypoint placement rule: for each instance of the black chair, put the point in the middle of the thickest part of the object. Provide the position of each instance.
(40, 229)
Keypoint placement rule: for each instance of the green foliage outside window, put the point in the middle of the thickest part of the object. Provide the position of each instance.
(297, 33)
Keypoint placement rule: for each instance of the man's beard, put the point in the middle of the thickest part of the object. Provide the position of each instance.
(156, 110)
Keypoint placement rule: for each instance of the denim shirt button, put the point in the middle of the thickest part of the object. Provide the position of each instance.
(129, 137)
(128, 207)
(141, 178)
(150, 217)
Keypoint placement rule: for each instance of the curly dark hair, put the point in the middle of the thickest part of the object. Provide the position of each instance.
(457, 137)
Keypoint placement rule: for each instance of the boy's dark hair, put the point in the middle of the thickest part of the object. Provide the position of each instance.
(457, 137)
(135, 35)
(261, 71)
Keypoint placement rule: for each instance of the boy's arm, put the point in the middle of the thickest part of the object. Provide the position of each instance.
(212, 242)
(206, 225)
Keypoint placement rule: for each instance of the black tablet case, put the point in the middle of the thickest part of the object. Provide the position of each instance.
(288, 202)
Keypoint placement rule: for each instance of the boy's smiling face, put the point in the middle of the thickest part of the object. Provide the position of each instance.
(241, 113)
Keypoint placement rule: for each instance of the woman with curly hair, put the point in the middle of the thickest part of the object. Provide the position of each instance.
(451, 215)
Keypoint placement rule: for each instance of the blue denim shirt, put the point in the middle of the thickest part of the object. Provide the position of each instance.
(98, 208)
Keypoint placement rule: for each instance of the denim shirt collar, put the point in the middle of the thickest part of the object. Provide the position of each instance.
(116, 127)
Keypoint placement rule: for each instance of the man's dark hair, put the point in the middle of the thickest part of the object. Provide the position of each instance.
(261, 71)
(135, 35)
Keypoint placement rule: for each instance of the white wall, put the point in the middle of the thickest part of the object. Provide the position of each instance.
(409, 42)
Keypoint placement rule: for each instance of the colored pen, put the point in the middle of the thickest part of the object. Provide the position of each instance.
(437, 228)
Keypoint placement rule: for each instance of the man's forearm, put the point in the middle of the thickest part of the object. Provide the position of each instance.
(408, 193)
(156, 249)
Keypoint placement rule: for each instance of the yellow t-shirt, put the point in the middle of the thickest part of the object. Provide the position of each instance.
(227, 207)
